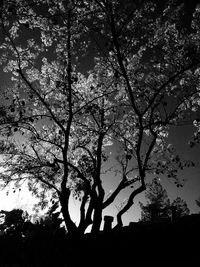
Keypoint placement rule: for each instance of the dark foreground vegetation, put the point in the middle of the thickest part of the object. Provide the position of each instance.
(162, 241)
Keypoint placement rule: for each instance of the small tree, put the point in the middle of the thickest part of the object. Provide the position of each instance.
(179, 208)
(13, 221)
(158, 203)
(53, 219)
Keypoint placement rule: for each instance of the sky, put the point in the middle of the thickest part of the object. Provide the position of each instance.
(178, 136)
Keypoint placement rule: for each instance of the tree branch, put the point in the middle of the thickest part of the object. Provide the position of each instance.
(129, 204)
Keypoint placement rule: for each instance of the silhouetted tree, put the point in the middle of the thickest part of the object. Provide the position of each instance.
(179, 208)
(13, 221)
(53, 220)
(60, 121)
(158, 203)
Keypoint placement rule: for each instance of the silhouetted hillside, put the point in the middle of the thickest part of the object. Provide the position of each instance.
(141, 241)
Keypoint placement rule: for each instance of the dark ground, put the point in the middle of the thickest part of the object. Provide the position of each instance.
(158, 243)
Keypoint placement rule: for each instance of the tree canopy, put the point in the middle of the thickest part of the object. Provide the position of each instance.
(58, 117)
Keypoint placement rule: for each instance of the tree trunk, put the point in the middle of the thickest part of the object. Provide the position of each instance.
(129, 204)
(97, 220)
(64, 201)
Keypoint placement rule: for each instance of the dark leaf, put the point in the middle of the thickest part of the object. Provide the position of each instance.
(128, 157)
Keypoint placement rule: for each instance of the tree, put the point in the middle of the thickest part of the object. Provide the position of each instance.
(13, 221)
(65, 153)
(60, 120)
(179, 208)
(52, 220)
(158, 203)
